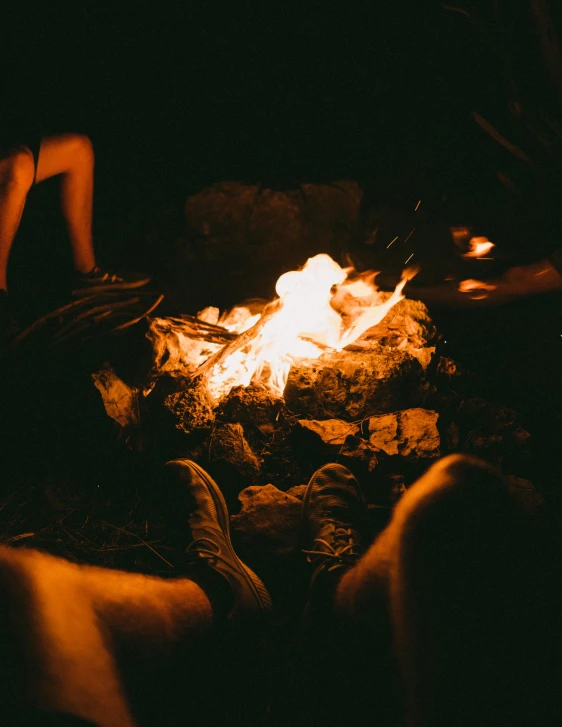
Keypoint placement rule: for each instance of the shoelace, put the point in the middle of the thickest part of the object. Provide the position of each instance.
(106, 277)
(194, 551)
(342, 554)
(110, 278)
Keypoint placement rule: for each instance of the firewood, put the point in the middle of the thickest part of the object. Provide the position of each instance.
(132, 322)
(268, 312)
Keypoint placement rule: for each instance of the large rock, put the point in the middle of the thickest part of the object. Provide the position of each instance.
(331, 432)
(191, 408)
(252, 403)
(269, 519)
(411, 433)
(273, 228)
(408, 327)
(354, 385)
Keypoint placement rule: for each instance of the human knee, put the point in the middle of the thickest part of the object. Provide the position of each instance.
(454, 478)
(17, 172)
(82, 149)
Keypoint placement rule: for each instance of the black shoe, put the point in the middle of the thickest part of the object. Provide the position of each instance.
(9, 327)
(102, 281)
(335, 527)
(210, 553)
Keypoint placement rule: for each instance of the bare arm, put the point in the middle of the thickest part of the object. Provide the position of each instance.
(516, 282)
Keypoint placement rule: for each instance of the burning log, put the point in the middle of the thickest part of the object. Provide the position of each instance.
(240, 341)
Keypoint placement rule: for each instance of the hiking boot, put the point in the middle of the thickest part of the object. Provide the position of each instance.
(335, 524)
(102, 281)
(211, 558)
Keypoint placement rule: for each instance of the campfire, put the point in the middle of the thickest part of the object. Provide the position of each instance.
(327, 368)
(322, 307)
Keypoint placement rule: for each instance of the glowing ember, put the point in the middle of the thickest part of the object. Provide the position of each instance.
(478, 247)
(306, 323)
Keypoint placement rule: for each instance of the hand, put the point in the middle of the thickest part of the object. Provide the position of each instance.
(539, 277)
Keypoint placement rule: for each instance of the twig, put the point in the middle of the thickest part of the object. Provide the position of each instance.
(14, 538)
(62, 339)
(96, 309)
(200, 329)
(144, 315)
(126, 532)
(50, 316)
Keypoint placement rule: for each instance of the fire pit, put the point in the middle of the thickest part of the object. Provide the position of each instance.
(333, 369)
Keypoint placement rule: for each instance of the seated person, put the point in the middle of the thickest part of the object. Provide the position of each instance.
(450, 617)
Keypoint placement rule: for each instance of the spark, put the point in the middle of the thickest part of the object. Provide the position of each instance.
(408, 260)
(410, 235)
(417, 206)
(392, 242)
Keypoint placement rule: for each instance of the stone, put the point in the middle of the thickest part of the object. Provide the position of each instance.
(269, 519)
(232, 458)
(407, 327)
(119, 399)
(297, 491)
(263, 232)
(357, 451)
(331, 432)
(353, 385)
(191, 408)
(411, 433)
(252, 403)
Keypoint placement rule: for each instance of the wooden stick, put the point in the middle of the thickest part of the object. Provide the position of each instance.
(96, 309)
(210, 334)
(144, 315)
(268, 312)
(192, 322)
(49, 316)
(70, 334)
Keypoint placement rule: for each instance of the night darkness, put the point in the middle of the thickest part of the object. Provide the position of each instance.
(177, 95)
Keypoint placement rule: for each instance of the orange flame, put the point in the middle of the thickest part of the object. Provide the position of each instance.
(306, 324)
(477, 289)
(478, 247)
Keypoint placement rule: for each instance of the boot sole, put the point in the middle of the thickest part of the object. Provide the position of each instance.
(256, 584)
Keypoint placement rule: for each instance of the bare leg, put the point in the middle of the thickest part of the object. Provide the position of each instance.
(16, 178)
(471, 616)
(95, 643)
(72, 156)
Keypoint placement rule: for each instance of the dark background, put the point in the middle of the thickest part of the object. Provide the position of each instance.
(175, 95)
(178, 95)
